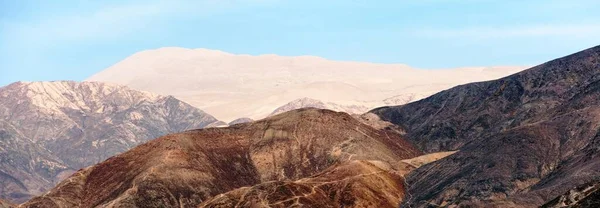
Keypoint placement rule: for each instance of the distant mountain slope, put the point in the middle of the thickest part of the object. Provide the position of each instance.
(523, 139)
(313, 103)
(185, 169)
(231, 86)
(50, 129)
(240, 120)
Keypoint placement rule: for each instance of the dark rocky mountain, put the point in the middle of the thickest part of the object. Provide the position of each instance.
(48, 130)
(523, 139)
(339, 158)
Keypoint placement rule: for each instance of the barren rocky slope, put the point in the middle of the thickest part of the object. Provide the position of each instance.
(186, 169)
(26, 168)
(48, 130)
(352, 184)
(355, 183)
(230, 86)
(523, 139)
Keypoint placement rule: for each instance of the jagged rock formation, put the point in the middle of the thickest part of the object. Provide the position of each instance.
(523, 139)
(313, 103)
(240, 120)
(48, 130)
(186, 169)
(230, 86)
(587, 195)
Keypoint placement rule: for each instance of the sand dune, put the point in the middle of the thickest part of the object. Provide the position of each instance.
(231, 86)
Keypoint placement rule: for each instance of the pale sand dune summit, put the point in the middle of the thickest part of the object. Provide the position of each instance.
(231, 86)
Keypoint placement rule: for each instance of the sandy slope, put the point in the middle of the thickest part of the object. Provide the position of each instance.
(230, 86)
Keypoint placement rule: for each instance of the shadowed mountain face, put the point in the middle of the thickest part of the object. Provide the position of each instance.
(48, 130)
(523, 139)
(186, 169)
(312, 103)
(26, 168)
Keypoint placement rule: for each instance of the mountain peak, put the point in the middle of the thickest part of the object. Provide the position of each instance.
(50, 129)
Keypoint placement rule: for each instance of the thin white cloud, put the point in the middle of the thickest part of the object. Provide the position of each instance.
(577, 30)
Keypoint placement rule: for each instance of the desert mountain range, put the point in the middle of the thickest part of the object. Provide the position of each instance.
(230, 86)
(528, 139)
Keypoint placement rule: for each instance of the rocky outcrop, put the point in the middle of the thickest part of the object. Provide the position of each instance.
(523, 139)
(48, 130)
(189, 168)
(587, 195)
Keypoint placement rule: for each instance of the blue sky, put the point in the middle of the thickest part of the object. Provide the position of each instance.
(71, 40)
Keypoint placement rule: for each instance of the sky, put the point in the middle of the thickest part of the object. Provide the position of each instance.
(72, 40)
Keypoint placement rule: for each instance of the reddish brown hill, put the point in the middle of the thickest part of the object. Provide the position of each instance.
(183, 170)
(352, 184)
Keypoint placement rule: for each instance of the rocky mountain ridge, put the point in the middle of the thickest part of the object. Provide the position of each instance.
(48, 130)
